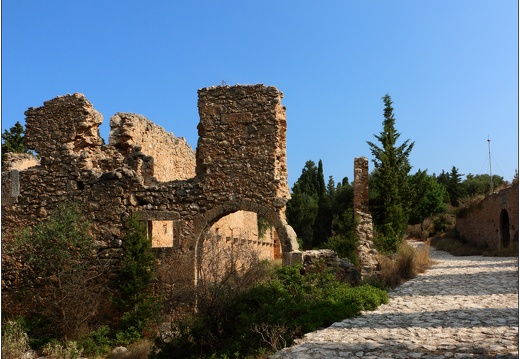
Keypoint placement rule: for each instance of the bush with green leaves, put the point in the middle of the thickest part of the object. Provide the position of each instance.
(59, 290)
(386, 241)
(271, 315)
(345, 240)
(98, 342)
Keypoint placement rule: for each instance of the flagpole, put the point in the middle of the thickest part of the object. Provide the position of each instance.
(490, 173)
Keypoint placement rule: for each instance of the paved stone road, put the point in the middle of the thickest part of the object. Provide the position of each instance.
(462, 307)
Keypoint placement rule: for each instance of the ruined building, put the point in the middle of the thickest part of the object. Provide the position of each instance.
(239, 167)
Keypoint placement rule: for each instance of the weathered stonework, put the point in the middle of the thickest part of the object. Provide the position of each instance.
(493, 221)
(361, 185)
(239, 165)
(173, 158)
(366, 252)
(19, 161)
(318, 259)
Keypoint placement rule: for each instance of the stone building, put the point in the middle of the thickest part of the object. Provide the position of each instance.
(239, 167)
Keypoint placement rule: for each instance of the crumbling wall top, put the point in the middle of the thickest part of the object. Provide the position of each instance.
(173, 158)
(64, 124)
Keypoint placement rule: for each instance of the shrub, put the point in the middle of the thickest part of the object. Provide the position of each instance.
(404, 265)
(469, 204)
(15, 341)
(345, 240)
(443, 223)
(98, 342)
(55, 350)
(386, 244)
(226, 269)
(271, 315)
(59, 269)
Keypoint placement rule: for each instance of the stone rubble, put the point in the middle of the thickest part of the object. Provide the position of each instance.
(462, 307)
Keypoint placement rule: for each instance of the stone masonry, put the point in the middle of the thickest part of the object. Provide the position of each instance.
(366, 251)
(492, 221)
(240, 165)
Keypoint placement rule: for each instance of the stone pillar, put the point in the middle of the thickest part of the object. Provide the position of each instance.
(366, 252)
(361, 185)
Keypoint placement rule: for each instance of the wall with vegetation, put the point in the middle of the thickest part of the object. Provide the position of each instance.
(492, 221)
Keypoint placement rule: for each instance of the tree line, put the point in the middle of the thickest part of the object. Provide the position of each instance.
(322, 215)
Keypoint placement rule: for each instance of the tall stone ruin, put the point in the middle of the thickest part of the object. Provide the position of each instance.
(366, 251)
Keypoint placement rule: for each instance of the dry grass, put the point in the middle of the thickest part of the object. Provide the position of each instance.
(404, 265)
(456, 247)
(15, 342)
(137, 350)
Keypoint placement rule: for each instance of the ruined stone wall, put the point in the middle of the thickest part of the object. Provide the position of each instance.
(240, 166)
(242, 141)
(493, 221)
(19, 161)
(173, 158)
(366, 251)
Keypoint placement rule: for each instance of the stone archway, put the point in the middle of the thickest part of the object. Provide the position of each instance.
(285, 234)
(505, 235)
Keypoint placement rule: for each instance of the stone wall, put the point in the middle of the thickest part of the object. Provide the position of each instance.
(241, 145)
(240, 165)
(19, 161)
(173, 158)
(493, 221)
(243, 226)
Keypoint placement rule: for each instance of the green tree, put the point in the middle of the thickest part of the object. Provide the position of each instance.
(344, 240)
(479, 184)
(391, 177)
(428, 197)
(454, 186)
(343, 198)
(331, 189)
(135, 297)
(302, 208)
(14, 140)
(323, 220)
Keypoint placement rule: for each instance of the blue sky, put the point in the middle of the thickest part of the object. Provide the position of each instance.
(451, 68)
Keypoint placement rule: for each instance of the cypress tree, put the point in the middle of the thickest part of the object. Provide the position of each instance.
(391, 176)
(323, 221)
(302, 208)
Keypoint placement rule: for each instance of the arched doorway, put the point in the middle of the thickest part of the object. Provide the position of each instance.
(504, 229)
(282, 242)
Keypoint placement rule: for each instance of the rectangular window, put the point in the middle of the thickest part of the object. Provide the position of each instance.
(161, 233)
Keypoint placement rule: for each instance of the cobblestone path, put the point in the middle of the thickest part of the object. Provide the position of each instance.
(462, 307)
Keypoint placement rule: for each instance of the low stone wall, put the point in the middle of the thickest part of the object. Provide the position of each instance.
(492, 221)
